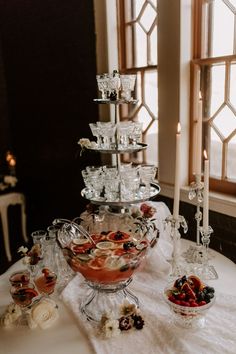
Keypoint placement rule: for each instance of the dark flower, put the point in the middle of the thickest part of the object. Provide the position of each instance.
(138, 321)
(125, 323)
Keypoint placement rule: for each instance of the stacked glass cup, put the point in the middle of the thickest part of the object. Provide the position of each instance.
(126, 133)
(127, 184)
(111, 84)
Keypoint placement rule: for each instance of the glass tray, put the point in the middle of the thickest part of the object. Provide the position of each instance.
(120, 101)
(129, 149)
(155, 190)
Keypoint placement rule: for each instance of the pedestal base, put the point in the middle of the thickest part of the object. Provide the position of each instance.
(194, 254)
(105, 299)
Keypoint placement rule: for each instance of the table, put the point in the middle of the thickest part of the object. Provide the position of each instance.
(67, 336)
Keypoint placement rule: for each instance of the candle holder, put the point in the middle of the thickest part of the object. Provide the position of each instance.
(206, 271)
(174, 225)
(194, 254)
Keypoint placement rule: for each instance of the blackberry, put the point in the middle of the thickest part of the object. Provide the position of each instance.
(124, 268)
(118, 236)
(128, 245)
(209, 289)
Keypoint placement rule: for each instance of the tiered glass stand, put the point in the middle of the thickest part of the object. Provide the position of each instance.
(107, 297)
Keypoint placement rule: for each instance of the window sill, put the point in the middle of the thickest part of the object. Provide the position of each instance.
(219, 202)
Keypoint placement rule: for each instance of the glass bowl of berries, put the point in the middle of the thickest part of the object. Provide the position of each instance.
(189, 299)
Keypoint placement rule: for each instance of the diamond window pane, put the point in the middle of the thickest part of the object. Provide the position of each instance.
(223, 29)
(225, 121)
(215, 155)
(153, 45)
(138, 4)
(233, 2)
(140, 46)
(148, 17)
(151, 139)
(150, 82)
(154, 2)
(233, 85)
(144, 117)
(218, 81)
(231, 160)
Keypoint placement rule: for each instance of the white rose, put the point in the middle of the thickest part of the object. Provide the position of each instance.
(22, 249)
(43, 314)
(12, 313)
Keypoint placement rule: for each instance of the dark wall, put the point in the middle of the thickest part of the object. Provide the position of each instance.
(48, 64)
(223, 239)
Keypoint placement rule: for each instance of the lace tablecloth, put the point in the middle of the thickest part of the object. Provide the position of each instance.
(160, 334)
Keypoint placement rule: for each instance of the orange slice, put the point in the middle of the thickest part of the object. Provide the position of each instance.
(188, 290)
(194, 282)
(97, 263)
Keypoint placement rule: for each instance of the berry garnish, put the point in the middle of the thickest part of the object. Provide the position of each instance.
(124, 268)
(128, 245)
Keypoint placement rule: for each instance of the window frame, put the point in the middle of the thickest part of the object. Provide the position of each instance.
(202, 58)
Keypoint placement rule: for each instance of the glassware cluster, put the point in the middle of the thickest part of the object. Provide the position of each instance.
(110, 85)
(111, 184)
(121, 135)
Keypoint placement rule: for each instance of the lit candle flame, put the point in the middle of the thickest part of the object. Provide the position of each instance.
(9, 156)
(205, 155)
(12, 162)
(178, 128)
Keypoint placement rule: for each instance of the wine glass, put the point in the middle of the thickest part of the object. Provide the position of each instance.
(19, 278)
(45, 281)
(23, 296)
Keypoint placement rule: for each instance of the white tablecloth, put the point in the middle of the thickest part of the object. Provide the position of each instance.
(71, 334)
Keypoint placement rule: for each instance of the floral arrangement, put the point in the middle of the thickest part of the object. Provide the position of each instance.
(32, 256)
(130, 318)
(11, 315)
(145, 223)
(42, 314)
(86, 144)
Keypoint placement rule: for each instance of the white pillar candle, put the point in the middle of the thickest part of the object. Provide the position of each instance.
(177, 174)
(206, 193)
(198, 148)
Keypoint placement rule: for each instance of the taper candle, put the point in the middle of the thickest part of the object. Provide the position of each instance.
(177, 174)
(206, 193)
(199, 139)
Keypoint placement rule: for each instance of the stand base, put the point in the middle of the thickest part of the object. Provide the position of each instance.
(194, 254)
(206, 272)
(105, 299)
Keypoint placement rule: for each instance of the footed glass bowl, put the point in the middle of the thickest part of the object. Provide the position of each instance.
(189, 315)
(106, 248)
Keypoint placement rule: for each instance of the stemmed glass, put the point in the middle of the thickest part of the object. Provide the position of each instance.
(103, 84)
(97, 133)
(45, 281)
(136, 132)
(127, 86)
(23, 295)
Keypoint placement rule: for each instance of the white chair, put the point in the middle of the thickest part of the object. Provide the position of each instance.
(5, 201)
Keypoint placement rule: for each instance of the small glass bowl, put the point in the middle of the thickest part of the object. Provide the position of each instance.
(188, 317)
(20, 278)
